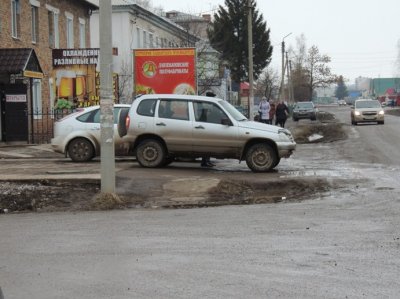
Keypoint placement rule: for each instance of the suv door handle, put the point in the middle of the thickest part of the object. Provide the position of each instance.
(199, 127)
(160, 124)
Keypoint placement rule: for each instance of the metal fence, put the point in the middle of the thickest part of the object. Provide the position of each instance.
(41, 124)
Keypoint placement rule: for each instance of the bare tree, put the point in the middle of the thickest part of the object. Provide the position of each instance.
(310, 70)
(125, 81)
(268, 84)
(318, 71)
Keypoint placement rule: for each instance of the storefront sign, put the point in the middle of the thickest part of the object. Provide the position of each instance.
(31, 74)
(15, 98)
(63, 57)
(165, 71)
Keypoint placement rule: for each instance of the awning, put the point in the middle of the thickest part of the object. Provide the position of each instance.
(21, 61)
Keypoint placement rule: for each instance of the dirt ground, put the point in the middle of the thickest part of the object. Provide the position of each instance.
(70, 195)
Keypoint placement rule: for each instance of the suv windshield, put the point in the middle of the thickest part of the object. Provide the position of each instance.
(232, 111)
(307, 105)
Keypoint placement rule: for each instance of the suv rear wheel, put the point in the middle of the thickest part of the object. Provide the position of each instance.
(151, 153)
(261, 157)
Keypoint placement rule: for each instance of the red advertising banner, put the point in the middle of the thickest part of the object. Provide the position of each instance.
(165, 71)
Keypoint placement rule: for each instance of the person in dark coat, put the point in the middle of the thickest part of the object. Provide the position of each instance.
(281, 114)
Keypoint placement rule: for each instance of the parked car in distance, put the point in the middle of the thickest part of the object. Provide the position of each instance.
(77, 135)
(342, 103)
(304, 110)
(366, 110)
(161, 127)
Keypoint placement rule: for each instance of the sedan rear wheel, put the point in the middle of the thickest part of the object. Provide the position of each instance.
(151, 153)
(80, 150)
(261, 158)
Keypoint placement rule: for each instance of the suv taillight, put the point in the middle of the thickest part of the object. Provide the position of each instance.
(127, 122)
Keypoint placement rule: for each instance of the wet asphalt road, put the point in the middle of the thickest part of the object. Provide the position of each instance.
(342, 245)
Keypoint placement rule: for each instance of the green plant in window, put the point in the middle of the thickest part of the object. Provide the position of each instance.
(64, 104)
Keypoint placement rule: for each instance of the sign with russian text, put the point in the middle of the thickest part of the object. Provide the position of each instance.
(63, 57)
(74, 77)
(15, 98)
(165, 71)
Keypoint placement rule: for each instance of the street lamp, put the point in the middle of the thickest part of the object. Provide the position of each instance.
(283, 66)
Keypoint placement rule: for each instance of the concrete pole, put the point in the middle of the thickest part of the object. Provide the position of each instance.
(250, 50)
(288, 79)
(106, 99)
(291, 82)
(282, 92)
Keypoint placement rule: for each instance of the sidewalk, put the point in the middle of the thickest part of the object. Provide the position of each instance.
(26, 151)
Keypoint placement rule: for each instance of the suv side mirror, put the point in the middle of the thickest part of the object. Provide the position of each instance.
(226, 122)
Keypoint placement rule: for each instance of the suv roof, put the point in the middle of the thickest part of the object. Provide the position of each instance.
(179, 96)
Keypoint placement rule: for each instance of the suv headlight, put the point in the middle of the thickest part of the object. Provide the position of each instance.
(381, 112)
(357, 113)
(285, 134)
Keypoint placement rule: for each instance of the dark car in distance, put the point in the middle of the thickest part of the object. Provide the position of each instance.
(304, 110)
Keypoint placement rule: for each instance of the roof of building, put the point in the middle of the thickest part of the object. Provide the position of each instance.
(16, 60)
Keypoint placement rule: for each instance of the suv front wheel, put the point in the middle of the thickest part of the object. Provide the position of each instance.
(261, 157)
(151, 153)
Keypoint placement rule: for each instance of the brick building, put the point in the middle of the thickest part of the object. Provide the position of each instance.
(29, 32)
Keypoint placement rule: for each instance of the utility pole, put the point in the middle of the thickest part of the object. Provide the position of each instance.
(106, 99)
(291, 82)
(281, 94)
(289, 78)
(250, 50)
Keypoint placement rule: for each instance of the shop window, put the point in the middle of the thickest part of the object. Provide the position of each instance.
(37, 98)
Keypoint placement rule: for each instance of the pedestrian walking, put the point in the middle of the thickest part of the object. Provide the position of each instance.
(281, 114)
(272, 111)
(263, 110)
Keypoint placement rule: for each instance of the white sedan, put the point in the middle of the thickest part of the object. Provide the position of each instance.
(78, 134)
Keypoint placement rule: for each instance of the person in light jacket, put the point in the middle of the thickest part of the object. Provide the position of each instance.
(263, 110)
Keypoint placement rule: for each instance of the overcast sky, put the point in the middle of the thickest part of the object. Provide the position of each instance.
(359, 35)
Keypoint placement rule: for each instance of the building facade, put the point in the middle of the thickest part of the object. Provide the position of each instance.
(134, 27)
(29, 32)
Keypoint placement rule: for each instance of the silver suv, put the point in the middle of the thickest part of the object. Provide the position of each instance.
(161, 127)
(304, 110)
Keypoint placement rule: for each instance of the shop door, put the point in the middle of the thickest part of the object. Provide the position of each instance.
(14, 110)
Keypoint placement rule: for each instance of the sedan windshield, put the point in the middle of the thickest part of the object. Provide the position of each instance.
(367, 104)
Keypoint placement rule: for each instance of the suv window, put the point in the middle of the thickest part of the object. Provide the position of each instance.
(174, 109)
(208, 112)
(147, 107)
